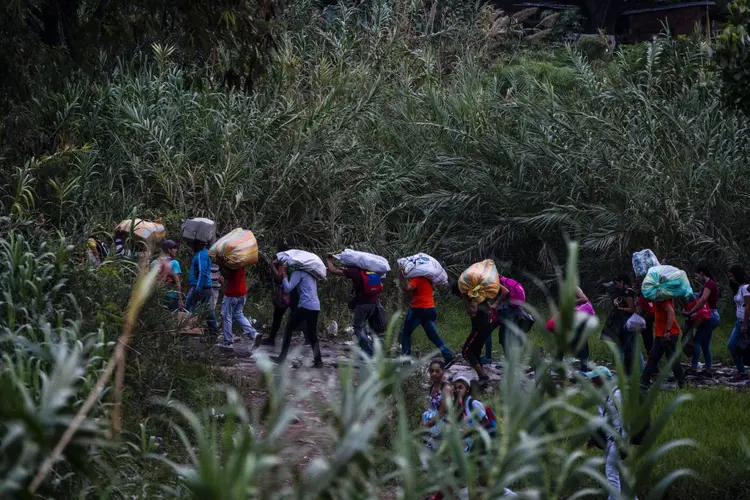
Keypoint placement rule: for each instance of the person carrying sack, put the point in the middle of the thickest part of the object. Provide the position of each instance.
(367, 286)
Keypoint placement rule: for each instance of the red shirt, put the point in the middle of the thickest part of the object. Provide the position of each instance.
(646, 306)
(714, 296)
(236, 286)
(421, 296)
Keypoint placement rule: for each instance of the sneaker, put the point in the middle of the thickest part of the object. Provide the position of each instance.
(740, 376)
(318, 364)
(486, 360)
(225, 345)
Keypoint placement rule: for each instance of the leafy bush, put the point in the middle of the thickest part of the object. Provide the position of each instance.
(733, 56)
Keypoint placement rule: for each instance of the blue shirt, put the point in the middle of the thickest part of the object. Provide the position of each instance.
(307, 286)
(200, 271)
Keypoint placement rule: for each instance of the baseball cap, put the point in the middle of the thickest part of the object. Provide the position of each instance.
(599, 371)
(169, 245)
(463, 379)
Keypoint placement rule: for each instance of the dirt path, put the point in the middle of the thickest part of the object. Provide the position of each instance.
(308, 436)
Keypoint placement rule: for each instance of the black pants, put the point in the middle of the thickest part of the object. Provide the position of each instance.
(648, 333)
(660, 348)
(278, 314)
(310, 320)
(481, 328)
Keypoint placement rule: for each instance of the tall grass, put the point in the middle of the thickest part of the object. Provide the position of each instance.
(369, 132)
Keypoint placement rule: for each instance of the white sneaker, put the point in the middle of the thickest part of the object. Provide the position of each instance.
(224, 345)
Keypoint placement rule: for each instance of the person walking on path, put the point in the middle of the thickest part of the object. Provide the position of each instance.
(169, 274)
(364, 301)
(667, 332)
(583, 305)
(646, 310)
(610, 410)
(624, 303)
(509, 308)
(232, 306)
(709, 295)
(738, 340)
(422, 312)
(201, 286)
(481, 328)
(307, 312)
(282, 301)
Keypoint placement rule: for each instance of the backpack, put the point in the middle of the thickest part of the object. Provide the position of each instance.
(492, 430)
(372, 283)
(165, 271)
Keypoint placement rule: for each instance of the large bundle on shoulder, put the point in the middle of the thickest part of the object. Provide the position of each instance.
(200, 230)
(643, 261)
(150, 233)
(300, 260)
(422, 265)
(666, 282)
(236, 249)
(480, 281)
(364, 260)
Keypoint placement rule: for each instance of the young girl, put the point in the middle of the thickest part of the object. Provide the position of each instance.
(438, 396)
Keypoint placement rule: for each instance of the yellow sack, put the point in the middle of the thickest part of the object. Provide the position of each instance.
(143, 230)
(236, 249)
(480, 282)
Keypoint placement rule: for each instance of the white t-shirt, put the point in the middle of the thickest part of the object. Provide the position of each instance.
(739, 301)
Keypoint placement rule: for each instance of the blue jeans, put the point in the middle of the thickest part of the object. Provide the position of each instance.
(734, 338)
(202, 298)
(703, 340)
(231, 311)
(426, 318)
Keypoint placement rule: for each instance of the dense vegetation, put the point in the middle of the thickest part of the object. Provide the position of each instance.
(390, 127)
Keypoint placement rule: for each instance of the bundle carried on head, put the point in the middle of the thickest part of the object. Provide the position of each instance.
(643, 261)
(300, 260)
(236, 249)
(666, 282)
(200, 230)
(422, 265)
(148, 232)
(480, 281)
(364, 260)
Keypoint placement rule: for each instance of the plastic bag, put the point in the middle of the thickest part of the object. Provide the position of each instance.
(364, 260)
(424, 266)
(143, 230)
(300, 260)
(480, 281)
(666, 282)
(236, 249)
(635, 323)
(199, 229)
(643, 261)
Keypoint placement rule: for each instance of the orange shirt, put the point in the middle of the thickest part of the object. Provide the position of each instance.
(660, 319)
(421, 296)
